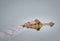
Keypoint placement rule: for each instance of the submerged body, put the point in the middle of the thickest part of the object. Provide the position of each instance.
(36, 24)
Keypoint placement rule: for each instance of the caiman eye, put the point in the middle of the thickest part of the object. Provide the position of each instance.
(34, 24)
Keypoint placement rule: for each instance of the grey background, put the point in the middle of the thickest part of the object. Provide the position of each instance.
(16, 12)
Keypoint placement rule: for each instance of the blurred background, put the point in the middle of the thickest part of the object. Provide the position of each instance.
(16, 12)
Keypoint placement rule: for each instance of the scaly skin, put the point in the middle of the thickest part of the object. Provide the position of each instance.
(37, 24)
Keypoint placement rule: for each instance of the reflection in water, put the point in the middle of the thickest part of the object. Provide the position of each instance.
(9, 33)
